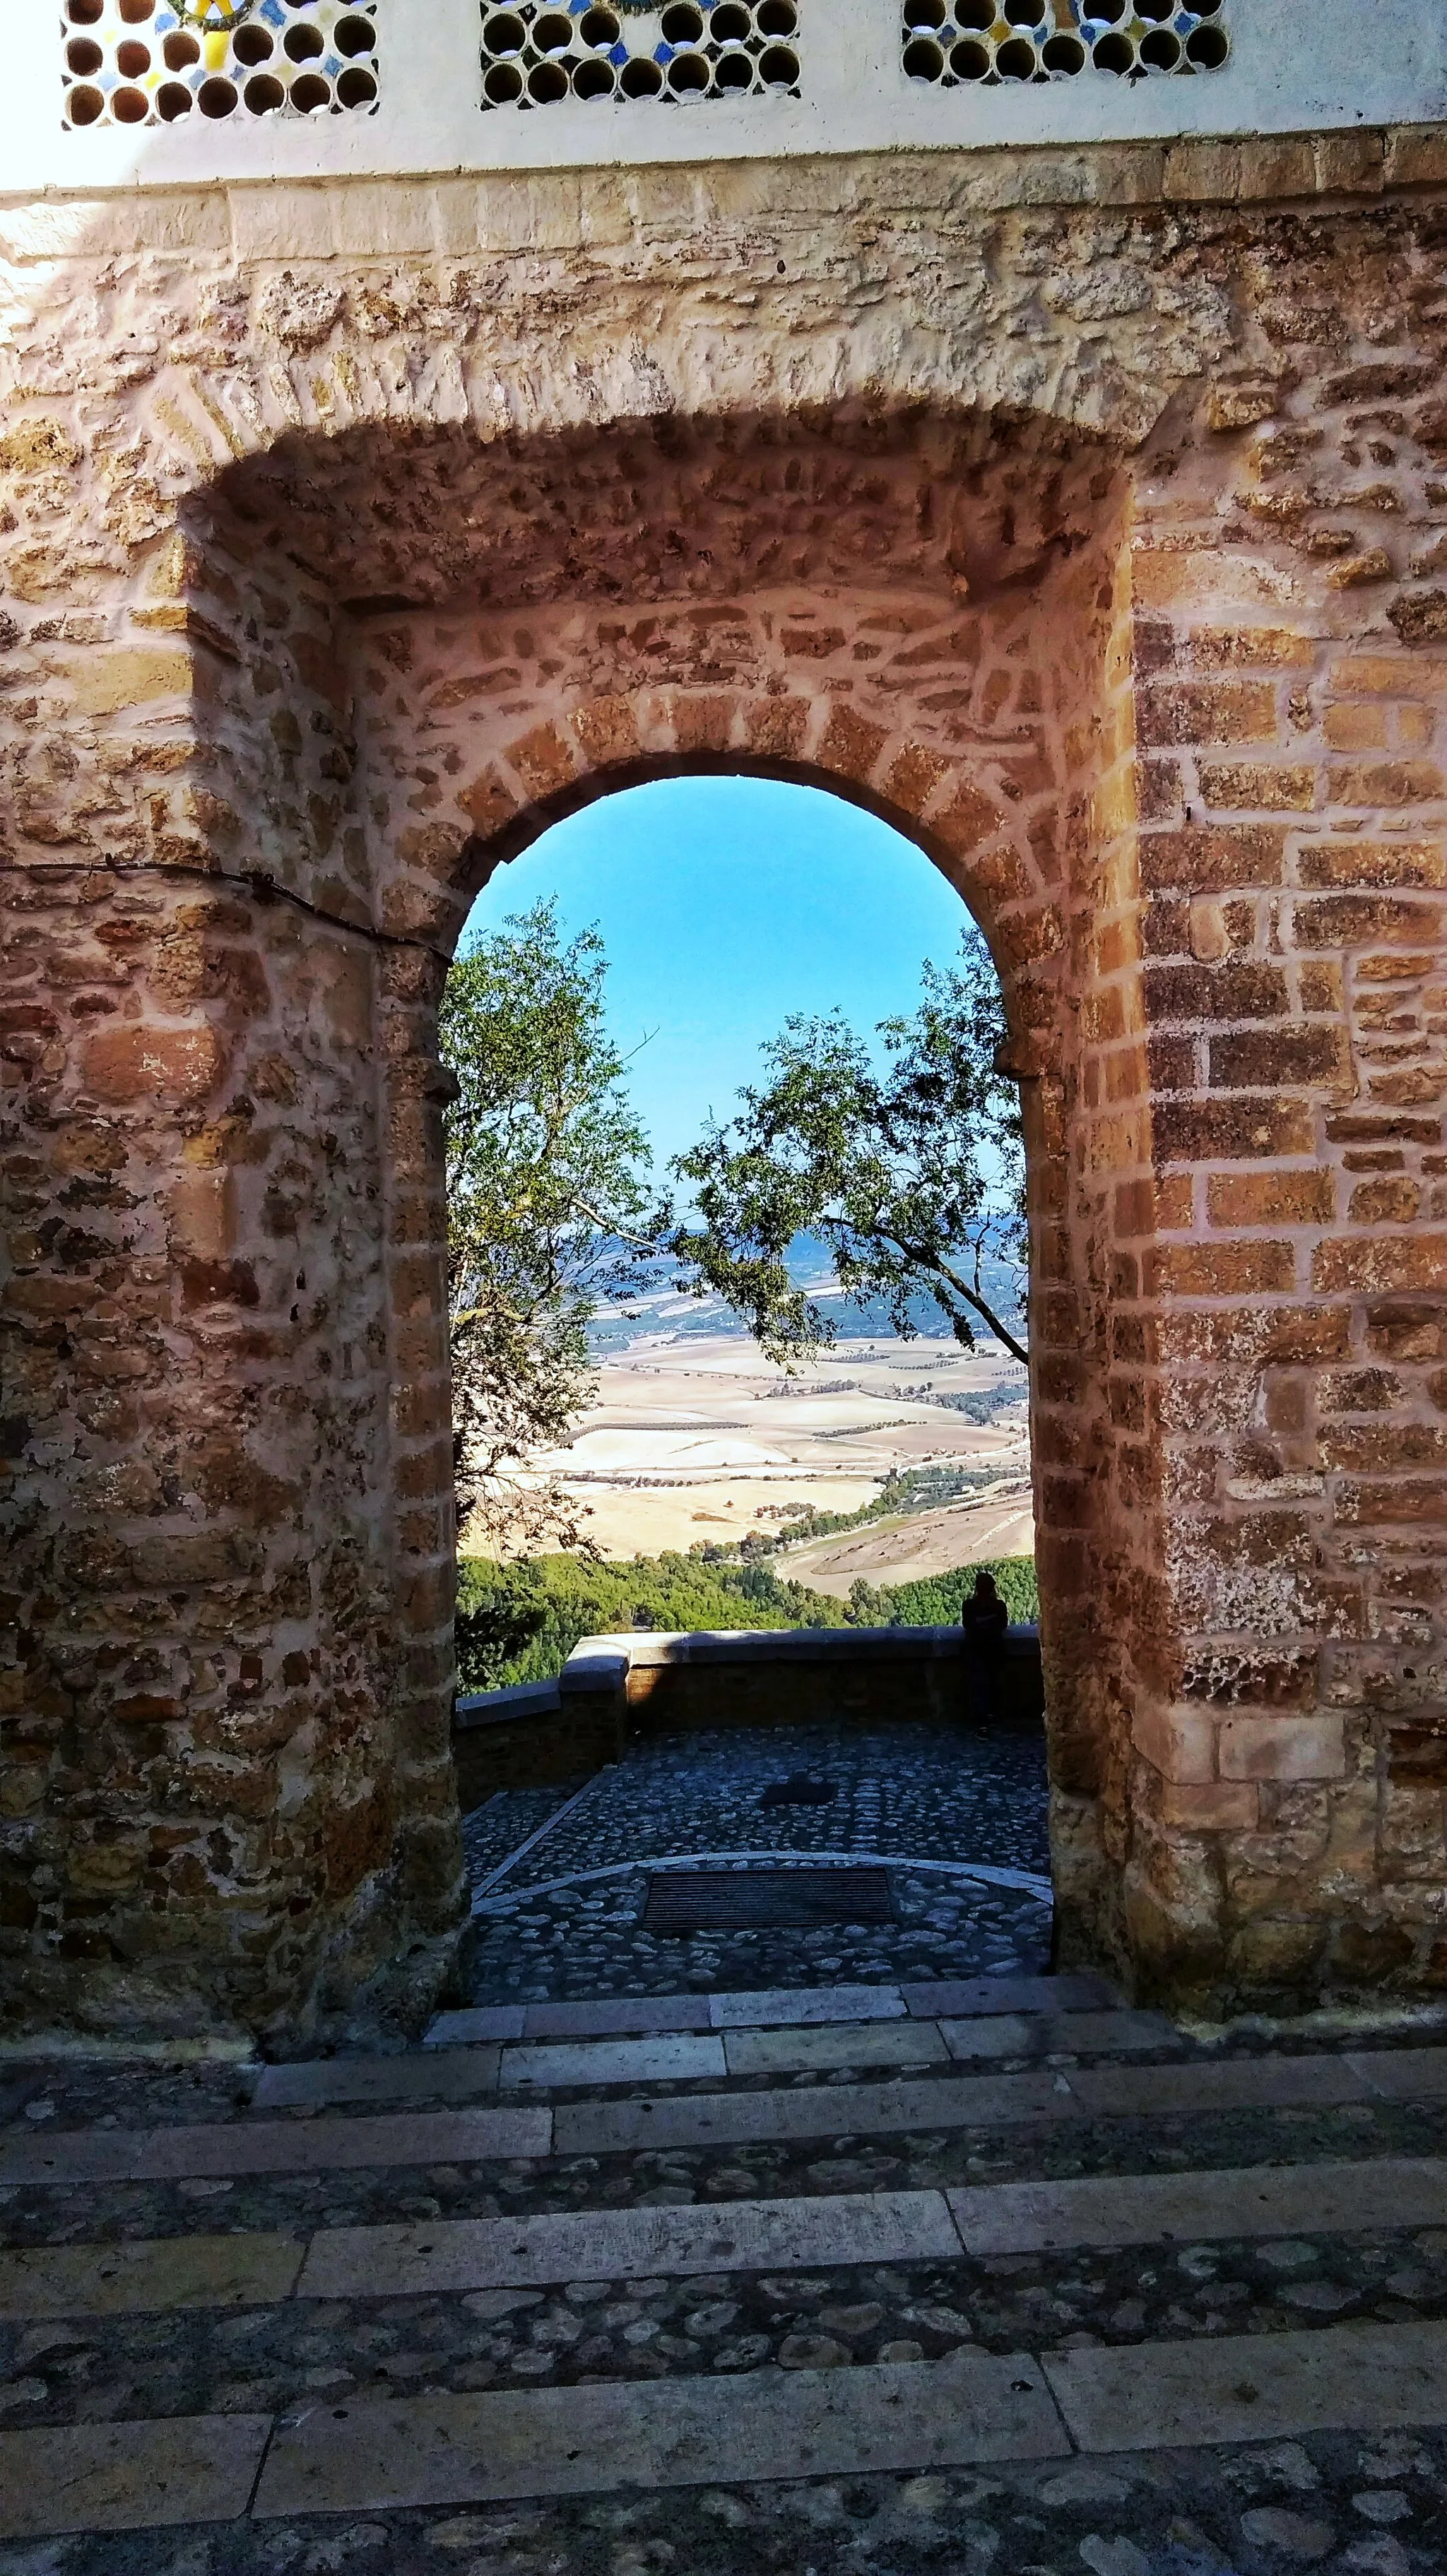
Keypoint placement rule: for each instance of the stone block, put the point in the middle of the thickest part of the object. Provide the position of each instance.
(1293, 1746)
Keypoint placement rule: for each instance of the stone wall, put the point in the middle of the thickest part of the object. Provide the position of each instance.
(1096, 544)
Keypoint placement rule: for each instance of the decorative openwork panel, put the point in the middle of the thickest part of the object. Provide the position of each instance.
(155, 62)
(537, 55)
(958, 41)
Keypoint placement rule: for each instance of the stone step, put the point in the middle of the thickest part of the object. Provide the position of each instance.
(783, 2008)
(970, 2409)
(798, 2111)
(435, 2256)
(682, 2057)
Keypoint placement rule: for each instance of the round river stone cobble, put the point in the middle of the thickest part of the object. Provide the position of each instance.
(907, 1795)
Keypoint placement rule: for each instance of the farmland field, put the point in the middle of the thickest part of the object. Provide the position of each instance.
(695, 1436)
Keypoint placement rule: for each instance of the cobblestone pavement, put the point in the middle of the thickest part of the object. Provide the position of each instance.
(921, 1792)
(1145, 2100)
(584, 1941)
(1343, 2506)
(906, 1793)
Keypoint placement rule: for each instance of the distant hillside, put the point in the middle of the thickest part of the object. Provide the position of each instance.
(668, 1310)
(520, 1623)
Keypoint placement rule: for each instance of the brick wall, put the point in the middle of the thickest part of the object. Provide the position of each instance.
(1103, 549)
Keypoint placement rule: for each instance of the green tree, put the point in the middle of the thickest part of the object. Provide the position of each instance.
(911, 1170)
(545, 1187)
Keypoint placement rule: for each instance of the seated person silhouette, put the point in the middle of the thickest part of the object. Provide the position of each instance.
(984, 1621)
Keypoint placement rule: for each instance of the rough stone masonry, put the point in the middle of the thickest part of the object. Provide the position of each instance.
(1085, 514)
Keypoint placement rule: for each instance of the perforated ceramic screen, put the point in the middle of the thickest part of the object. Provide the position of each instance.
(599, 51)
(960, 43)
(140, 62)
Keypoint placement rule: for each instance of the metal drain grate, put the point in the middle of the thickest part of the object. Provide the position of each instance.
(758, 1900)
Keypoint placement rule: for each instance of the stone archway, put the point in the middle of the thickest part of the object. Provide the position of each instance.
(1185, 783)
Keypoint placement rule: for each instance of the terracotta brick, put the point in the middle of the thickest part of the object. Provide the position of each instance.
(1368, 1266)
(914, 776)
(1244, 1059)
(775, 728)
(1385, 782)
(1227, 648)
(1271, 1198)
(607, 728)
(702, 723)
(1223, 1131)
(1205, 711)
(1266, 788)
(971, 819)
(1218, 1270)
(1393, 1500)
(852, 745)
(1385, 1202)
(543, 760)
(1199, 861)
(1211, 992)
(1210, 1806)
(167, 1066)
(1351, 921)
(1372, 863)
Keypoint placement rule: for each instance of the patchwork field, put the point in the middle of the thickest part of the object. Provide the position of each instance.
(698, 1436)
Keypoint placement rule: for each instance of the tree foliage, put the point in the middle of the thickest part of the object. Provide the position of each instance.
(906, 1161)
(545, 1165)
(520, 1622)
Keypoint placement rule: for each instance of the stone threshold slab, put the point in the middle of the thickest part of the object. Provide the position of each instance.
(439, 2075)
(129, 2477)
(790, 2007)
(832, 2045)
(670, 2057)
(136, 2278)
(1181, 2208)
(629, 2244)
(737, 2048)
(235, 2147)
(593, 2440)
(1253, 2388)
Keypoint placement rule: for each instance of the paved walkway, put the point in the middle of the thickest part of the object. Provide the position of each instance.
(971, 2276)
(961, 1818)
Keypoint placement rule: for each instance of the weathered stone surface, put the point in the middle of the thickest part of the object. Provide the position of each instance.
(351, 577)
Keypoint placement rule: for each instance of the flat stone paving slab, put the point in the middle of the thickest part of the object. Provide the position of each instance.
(813, 2111)
(795, 2007)
(442, 2074)
(1403, 2074)
(137, 2276)
(834, 2044)
(1253, 2388)
(963, 1997)
(670, 2057)
(1045, 2034)
(232, 2148)
(1147, 2209)
(442, 2450)
(129, 2477)
(1227, 2084)
(478, 2025)
(629, 2244)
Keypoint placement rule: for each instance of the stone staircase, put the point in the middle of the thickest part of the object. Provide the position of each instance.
(997, 2276)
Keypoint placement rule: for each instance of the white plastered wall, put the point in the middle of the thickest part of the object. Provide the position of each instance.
(1296, 66)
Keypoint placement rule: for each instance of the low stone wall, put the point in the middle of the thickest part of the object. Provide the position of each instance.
(614, 1690)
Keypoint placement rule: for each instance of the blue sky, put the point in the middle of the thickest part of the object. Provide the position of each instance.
(724, 905)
